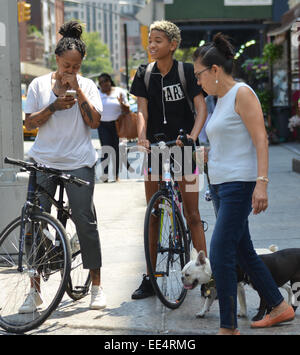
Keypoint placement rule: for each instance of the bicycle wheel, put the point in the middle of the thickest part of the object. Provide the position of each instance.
(169, 247)
(45, 265)
(80, 280)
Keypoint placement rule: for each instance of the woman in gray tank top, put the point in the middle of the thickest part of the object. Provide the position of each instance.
(238, 170)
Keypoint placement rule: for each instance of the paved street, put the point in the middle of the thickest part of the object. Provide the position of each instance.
(120, 209)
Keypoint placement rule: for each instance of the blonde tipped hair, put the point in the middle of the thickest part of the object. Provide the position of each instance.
(169, 28)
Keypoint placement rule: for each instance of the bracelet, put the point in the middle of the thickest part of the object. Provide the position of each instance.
(262, 178)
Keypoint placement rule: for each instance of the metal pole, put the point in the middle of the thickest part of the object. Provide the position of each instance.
(12, 191)
(126, 56)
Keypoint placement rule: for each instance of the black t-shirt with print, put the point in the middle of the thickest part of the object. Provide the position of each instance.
(166, 100)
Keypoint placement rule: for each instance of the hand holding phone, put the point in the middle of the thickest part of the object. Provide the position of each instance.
(71, 93)
(69, 99)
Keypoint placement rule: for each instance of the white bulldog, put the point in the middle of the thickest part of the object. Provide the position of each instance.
(198, 272)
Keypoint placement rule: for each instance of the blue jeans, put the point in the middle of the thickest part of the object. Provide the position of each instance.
(231, 245)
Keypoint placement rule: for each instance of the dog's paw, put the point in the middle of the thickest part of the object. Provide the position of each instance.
(200, 314)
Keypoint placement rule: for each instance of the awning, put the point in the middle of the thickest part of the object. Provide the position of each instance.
(287, 21)
(33, 70)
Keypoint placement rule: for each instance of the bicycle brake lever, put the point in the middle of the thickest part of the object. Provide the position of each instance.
(190, 142)
(184, 139)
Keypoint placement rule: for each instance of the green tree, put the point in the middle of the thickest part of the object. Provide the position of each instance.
(185, 54)
(97, 59)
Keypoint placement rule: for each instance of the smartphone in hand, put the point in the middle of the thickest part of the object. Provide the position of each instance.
(71, 93)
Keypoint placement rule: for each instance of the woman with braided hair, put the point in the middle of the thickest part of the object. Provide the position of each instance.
(64, 143)
(238, 170)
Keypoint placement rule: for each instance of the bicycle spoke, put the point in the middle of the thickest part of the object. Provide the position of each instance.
(172, 253)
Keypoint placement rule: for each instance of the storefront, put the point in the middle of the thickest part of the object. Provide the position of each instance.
(285, 76)
(242, 20)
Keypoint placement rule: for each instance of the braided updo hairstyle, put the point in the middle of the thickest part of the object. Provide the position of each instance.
(219, 52)
(71, 32)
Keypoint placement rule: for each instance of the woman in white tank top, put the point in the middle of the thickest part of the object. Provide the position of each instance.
(238, 170)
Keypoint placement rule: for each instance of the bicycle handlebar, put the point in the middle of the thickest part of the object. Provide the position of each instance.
(182, 136)
(184, 139)
(30, 166)
(163, 144)
(21, 163)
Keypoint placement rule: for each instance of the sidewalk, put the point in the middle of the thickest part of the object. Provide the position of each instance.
(120, 210)
(295, 148)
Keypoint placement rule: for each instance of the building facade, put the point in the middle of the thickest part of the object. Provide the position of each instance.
(286, 73)
(108, 18)
(38, 37)
(258, 22)
(242, 20)
(102, 16)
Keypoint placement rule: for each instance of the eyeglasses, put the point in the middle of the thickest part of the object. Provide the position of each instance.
(198, 75)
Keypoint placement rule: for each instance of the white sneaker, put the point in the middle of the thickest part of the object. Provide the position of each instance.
(98, 299)
(33, 300)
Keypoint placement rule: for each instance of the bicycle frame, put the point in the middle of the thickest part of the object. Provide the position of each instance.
(34, 189)
(168, 184)
(30, 200)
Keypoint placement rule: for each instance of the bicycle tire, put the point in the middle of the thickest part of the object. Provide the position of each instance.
(172, 252)
(80, 279)
(49, 259)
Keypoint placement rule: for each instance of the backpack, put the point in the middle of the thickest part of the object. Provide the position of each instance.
(181, 78)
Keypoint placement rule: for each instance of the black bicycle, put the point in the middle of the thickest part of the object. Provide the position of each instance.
(167, 238)
(39, 253)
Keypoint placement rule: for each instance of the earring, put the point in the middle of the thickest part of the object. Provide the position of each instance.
(217, 81)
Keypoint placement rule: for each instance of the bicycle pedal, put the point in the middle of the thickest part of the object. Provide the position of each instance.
(80, 290)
